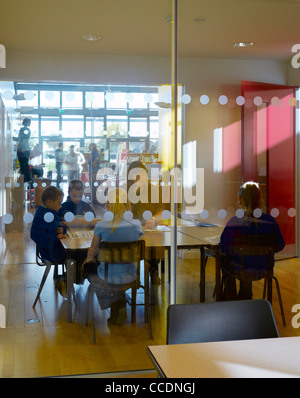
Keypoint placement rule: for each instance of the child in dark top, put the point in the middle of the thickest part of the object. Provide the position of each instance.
(78, 207)
(47, 230)
(251, 223)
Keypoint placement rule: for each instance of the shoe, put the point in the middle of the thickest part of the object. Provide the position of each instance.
(61, 286)
(155, 279)
(122, 316)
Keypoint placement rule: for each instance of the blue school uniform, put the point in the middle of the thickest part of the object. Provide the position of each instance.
(78, 210)
(264, 225)
(43, 233)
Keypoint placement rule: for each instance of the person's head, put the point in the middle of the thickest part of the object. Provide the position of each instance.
(93, 147)
(137, 170)
(72, 148)
(52, 198)
(60, 145)
(117, 203)
(26, 122)
(250, 197)
(75, 191)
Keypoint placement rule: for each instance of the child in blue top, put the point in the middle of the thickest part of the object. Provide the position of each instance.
(46, 229)
(117, 230)
(78, 207)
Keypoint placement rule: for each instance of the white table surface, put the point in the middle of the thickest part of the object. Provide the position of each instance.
(261, 358)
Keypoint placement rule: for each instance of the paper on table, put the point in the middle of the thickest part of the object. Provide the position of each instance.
(80, 234)
(158, 228)
(213, 239)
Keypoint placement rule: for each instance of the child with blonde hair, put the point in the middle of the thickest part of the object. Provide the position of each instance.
(115, 228)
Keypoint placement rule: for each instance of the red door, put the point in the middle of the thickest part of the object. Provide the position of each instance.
(268, 150)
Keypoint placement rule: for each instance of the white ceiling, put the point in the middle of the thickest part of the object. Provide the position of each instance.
(139, 27)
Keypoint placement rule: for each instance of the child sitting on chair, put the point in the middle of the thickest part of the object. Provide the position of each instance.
(78, 207)
(119, 229)
(46, 230)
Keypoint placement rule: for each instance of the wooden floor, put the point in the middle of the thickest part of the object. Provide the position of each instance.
(40, 342)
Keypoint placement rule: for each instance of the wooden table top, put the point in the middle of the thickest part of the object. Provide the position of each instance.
(187, 236)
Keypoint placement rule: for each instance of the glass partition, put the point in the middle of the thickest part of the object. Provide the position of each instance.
(179, 139)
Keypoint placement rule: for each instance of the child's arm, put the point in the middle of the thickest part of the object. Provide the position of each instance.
(93, 249)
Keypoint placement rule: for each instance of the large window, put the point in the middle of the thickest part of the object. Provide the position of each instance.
(92, 113)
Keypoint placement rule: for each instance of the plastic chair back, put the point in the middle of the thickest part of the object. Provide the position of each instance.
(220, 321)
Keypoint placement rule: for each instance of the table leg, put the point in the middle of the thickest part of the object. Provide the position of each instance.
(218, 277)
(202, 275)
(70, 282)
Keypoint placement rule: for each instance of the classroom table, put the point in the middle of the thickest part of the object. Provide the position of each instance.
(157, 240)
(257, 358)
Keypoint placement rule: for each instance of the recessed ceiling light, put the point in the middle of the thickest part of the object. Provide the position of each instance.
(91, 37)
(243, 44)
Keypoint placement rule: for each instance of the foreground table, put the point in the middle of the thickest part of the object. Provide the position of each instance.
(269, 358)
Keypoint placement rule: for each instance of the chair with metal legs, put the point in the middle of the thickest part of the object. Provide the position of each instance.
(48, 264)
(116, 253)
(252, 247)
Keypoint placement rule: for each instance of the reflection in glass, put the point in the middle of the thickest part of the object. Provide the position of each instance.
(50, 99)
(72, 126)
(49, 126)
(72, 99)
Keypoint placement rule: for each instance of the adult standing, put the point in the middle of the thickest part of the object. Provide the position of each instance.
(59, 157)
(23, 151)
(94, 163)
(74, 161)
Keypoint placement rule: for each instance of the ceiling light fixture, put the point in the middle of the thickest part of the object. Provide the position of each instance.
(242, 44)
(91, 37)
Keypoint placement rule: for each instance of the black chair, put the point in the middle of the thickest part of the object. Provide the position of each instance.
(117, 253)
(48, 264)
(220, 321)
(254, 246)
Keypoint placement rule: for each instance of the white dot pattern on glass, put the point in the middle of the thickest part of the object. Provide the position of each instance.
(7, 218)
(48, 217)
(88, 216)
(27, 218)
(108, 216)
(69, 216)
(128, 216)
(147, 215)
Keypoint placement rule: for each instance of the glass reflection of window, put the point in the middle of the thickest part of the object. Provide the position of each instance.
(49, 99)
(49, 126)
(117, 126)
(137, 147)
(72, 126)
(154, 127)
(94, 127)
(154, 98)
(138, 101)
(116, 100)
(138, 127)
(72, 99)
(30, 99)
(94, 100)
